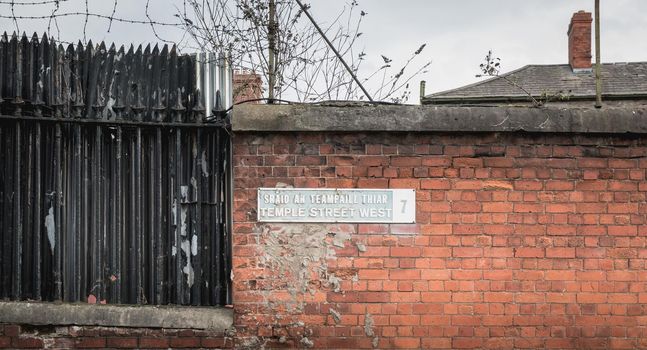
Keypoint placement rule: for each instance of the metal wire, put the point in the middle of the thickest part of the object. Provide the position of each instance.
(97, 15)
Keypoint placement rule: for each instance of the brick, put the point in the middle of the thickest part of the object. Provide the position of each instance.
(529, 252)
(213, 343)
(559, 186)
(310, 160)
(372, 297)
(622, 298)
(405, 252)
(373, 161)
(406, 343)
(622, 208)
(497, 207)
(591, 275)
(471, 320)
(592, 162)
(437, 297)
(151, 343)
(376, 274)
(621, 276)
(467, 343)
(406, 161)
(560, 208)
(467, 275)
(467, 162)
(497, 320)
(185, 342)
(560, 252)
(522, 185)
(12, 330)
(467, 252)
(467, 297)
(91, 342)
(404, 183)
(498, 275)
(341, 160)
(373, 183)
(404, 320)
(28, 343)
(435, 184)
(616, 230)
(404, 274)
(467, 185)
(590, 252)
(122, 342)
(498, 297)
(559, 275)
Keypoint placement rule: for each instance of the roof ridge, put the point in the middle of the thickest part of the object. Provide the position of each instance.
(436, 94)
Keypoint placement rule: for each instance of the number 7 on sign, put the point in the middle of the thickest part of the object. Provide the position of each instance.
(404, 206)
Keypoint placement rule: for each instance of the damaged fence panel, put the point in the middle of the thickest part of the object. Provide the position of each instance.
(113, 185)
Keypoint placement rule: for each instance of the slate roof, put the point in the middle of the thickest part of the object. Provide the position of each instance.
(619, 81)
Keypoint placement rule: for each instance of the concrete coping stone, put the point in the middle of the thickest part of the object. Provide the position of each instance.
(216, 319)
(401, 118)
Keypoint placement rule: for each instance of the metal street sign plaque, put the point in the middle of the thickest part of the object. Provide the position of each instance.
(336, 205)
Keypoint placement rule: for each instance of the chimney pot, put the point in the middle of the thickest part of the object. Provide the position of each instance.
(579, 42)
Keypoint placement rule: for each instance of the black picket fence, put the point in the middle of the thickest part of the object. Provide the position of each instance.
(114, 185)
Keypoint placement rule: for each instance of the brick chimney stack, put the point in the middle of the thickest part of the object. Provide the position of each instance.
(579, 42)
(247, 86)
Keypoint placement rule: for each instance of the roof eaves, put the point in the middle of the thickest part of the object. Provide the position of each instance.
(526, 98)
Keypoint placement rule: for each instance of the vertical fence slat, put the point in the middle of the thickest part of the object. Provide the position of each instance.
(160, 247)
(84, 236)
(7, 212)
(37, 216)
(17, 217)
(137, 169)
(197, 226)
(58, 194)
(18, 77)
(118, 218)
(3, 179)
(227, 222)
(3, 67)
(75, 207)
(179, 290)
(150, 210)
(27, 213)
(28, 48)
(96, 220)
(132, 226)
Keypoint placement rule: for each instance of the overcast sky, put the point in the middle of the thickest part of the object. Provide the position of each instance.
(458, 33)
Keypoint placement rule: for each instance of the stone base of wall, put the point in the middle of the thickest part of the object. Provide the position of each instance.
(74, 337)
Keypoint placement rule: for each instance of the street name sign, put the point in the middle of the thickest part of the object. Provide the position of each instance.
(336, 205)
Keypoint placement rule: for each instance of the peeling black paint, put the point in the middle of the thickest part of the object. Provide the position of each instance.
(96, 145)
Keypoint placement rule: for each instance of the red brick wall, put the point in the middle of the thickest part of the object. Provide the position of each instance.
(73, 337)
(521, 241)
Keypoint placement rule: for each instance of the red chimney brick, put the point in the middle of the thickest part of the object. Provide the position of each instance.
(247, 86)
(579, 41)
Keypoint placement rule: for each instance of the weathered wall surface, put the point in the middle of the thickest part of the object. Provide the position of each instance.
(521, 241)
(75, 337)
